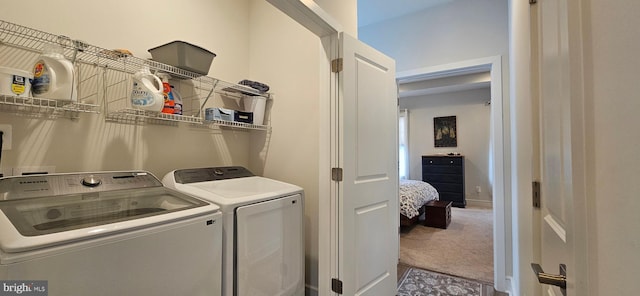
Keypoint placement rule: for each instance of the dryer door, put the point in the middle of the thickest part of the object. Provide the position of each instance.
(270, 248)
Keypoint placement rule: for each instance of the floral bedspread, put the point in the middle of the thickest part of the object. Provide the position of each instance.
(413, 195)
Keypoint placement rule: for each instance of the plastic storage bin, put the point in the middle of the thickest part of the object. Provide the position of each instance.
(184, 56)
(240, 116)
(255, 105)
(219, 114)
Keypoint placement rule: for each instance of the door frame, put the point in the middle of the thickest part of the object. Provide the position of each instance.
(501, 231)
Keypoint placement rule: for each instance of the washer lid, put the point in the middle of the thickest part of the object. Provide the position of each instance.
(36, 222)
(231, 193)
(228, 187)
(246, 187)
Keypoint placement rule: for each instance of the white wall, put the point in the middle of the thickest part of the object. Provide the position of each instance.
(290, 59)
(473, 130)
(252, 40)
(612, 149)
(90, 143)
(345, 12)
(285, 55)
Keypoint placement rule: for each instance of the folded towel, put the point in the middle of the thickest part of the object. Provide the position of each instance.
(261, 87)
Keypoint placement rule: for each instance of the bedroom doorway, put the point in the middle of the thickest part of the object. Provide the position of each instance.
(424, 81)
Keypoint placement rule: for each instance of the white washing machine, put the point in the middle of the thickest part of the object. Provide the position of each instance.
(263, 241)
(107, 233)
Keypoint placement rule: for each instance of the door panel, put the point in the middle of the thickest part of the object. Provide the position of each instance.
(270, 240)
(555, 134)
(368, 194)
(371, 118)
(371, 219)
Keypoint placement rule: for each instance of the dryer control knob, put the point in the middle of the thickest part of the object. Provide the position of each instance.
(218, 172)
(91, 181)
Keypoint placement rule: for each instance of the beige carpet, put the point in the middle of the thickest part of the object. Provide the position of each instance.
(464, 249)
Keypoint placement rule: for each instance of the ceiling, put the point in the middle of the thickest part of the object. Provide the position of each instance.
(375, 11)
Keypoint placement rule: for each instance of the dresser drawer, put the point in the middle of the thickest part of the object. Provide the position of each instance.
(442, 160)
(447, 187)
(440, 178)
(441, 169)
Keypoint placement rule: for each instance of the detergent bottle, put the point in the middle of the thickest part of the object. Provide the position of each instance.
(169, 103)
(177, 107)
(147, 91)
(54, 76)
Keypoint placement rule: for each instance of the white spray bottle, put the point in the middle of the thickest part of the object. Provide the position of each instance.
(147, 91)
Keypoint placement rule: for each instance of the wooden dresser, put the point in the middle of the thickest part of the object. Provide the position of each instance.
(446, 174)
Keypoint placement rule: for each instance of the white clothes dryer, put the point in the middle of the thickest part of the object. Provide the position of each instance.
(107, 233)
(263, 241)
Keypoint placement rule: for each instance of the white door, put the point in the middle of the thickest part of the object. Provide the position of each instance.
(365, 115)
(562, 141)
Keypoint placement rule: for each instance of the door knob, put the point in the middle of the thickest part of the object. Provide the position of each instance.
(559, 280)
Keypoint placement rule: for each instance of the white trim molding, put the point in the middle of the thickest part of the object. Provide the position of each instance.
(310, 15)
(480, 203)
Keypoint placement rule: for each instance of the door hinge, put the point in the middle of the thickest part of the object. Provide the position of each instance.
(336, 65)
(536, 194)
(336, 286)
(533, 1)
(336, 174)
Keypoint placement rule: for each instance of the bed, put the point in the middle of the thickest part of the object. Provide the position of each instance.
(413, 195)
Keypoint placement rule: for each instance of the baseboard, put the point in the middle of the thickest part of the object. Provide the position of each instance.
(486, 204)
(310, 290)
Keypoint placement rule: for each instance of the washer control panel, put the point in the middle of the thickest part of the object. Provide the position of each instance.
(75, 183)
(188, 176)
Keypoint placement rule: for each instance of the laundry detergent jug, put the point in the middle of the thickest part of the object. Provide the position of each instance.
(54, 76)
(147, 91)
(177, 98)
(169, 103)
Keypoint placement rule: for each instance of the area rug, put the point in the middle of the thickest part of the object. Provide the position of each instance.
(418, 282)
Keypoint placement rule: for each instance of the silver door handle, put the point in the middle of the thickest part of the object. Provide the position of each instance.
(559, 280)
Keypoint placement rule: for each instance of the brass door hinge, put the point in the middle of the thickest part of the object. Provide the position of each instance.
(336, 286)
(536, 194)
(336, 174)
(336, 65)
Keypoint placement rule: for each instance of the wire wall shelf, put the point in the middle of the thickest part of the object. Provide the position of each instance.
(136, 115)
(104, 77)
(45, 107)
(235, 124)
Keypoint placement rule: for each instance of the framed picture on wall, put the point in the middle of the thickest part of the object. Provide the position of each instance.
(444, 132)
